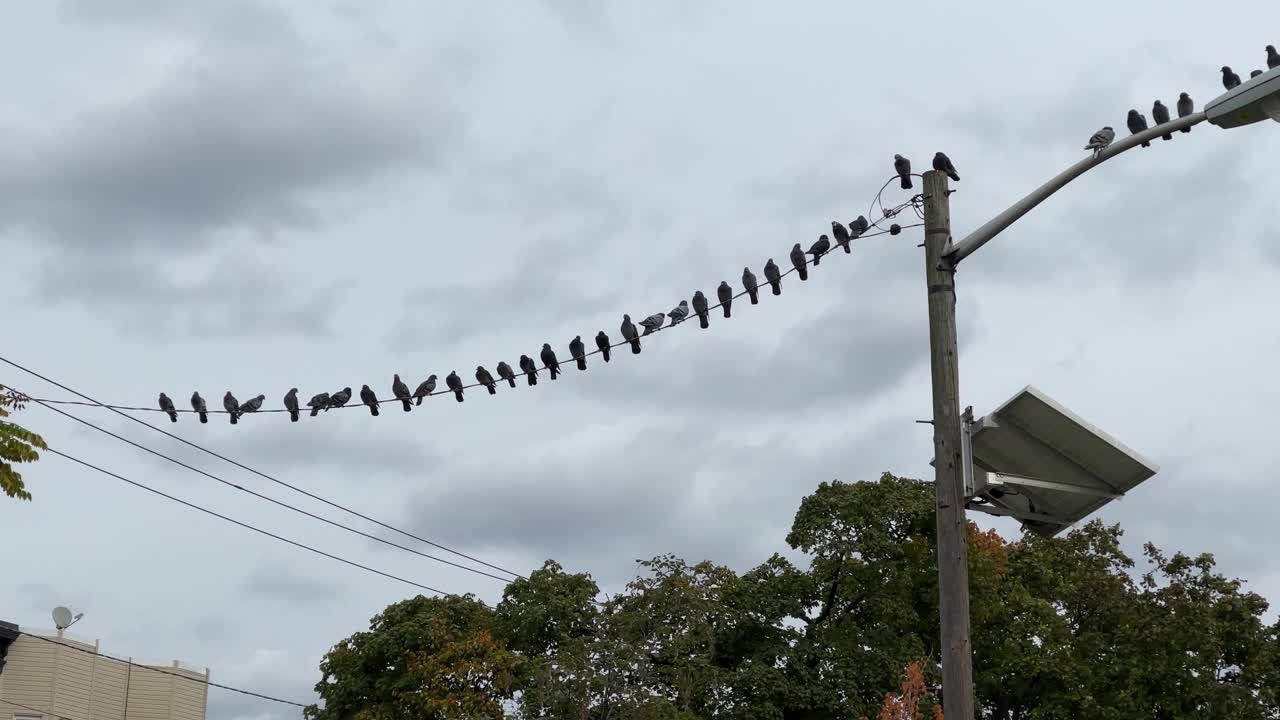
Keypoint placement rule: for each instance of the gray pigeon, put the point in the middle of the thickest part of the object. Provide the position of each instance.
(798, 262)
(401, 391)
(167, 405)
(370, 399)
(820, 248)
(232, 406)
(550, 361)
(1273, 57)
(1230, 80)
(200, 406)
(340, 398)
(253, 404)
(291, 404)
(318, 402)
(1186, 106)
(679, 312)
(1101, 140)
(630, 335)
(1160, 114)
(724, 293)
(902, 166)
(774, 276)
(425, 388)
(603, 345)
(455, 384)
(1254, 73)
(752, 285)
(1137, 123)
(506, 373)
(842, 236)
(857, 227)
(653, 322)
(578, 350)
(702, 309)
(942, 163)
(486, 379)
(529, 368)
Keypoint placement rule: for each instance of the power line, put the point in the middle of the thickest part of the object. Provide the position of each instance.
(245, 525)
(383, 401)
(47, 404)
(202, 681)
(269, 499)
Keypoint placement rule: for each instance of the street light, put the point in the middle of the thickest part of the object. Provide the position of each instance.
(1246, 104)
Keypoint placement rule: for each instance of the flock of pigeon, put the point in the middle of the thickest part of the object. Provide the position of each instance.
(631, 334)
(1137, 122)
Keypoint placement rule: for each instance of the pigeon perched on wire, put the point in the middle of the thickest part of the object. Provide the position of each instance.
(506, 373)
(1230, 80)
(167, 405)
(425, 388)
(942, 163)
(550, 361)
(820, 248)
(1273, 58)
(1160, 115)
(318, 402)
(200, 406)
(1186, 106)
(798, 262)
(484, 377)
(401, 391)
(1101, 140)
(902, 166)
(232, 406)
(340, 398)
(774, 275)
(1254, 73)
(702, 309)
(291, 404)
(455, 384)
(724, 293)
(857, 227)
(841, 234)
(652, 323)
(370, 399)
(530, 369)
(253, 404)
(679, 312)
(578, 350)
(602, 344)
(630, 335)
(1137, 123)
(751, 284)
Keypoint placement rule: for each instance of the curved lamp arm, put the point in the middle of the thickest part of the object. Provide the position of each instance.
(997, 224)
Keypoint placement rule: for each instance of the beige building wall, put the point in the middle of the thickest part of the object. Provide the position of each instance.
(62, 680)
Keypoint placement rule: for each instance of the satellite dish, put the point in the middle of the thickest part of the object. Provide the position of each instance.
(62, 617)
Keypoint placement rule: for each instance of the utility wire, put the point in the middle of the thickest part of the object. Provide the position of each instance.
(269, 499)
(48, 404)
(571, 358)
(202, 681)
(245, 525)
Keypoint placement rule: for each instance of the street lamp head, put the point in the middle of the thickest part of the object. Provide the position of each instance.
(1250, 102)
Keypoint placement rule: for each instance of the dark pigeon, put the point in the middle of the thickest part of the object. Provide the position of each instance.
(253, 404)
(529, 368)
(1254, 73)
(1137, 123)
(1186, 106)
(798, 262)
(858, 227)
(291, 404)
(820, 248)
(232, 406)
(340, 398)
(774, 276)
(942, 163)
(200, 406)
(702, 309)
(167, 405)
(902, 166)
(752, 285)
(550, 360)
(578, 350)
(425, 388)
(725, 294)
(602, 344)
(1160, 114)
(1273, 58)
(485, 378)
(841, 234)
(318, 402)
(455, 384)
(630, 335)
(370, 399)
(401, 391)
(1230, 80)
(506, 373)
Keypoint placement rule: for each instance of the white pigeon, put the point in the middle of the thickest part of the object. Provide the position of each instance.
(1101, 140)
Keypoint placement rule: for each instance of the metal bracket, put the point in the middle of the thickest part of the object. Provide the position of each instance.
(1023, 481)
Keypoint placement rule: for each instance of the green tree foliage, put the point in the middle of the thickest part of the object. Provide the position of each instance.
(17, 445)
(1062, 628)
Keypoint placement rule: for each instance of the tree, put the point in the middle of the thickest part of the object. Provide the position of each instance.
(913, 701)
(17, 445)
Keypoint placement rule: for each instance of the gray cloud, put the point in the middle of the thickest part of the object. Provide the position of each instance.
(278, 583)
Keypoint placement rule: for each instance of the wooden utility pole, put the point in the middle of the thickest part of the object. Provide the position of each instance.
(953, 552)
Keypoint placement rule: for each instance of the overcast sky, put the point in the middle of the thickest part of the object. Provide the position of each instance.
(252, 195)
